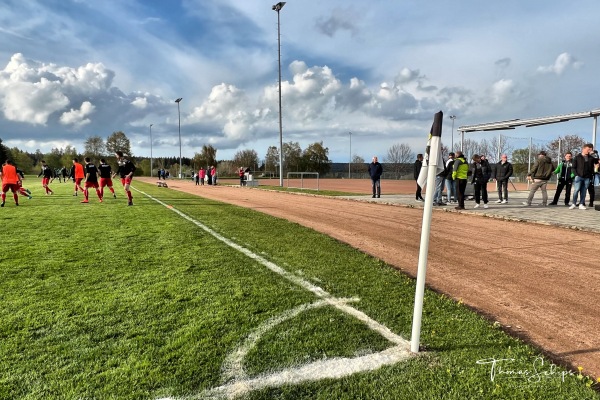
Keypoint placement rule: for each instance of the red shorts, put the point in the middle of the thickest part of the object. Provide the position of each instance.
(13, 187)
(78, 181)
(91, 185)
(105, 182)
(45, 181)
(126, 181)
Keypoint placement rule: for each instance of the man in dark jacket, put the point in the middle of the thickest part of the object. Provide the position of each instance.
(417, 171)
(583, 168)
(565, 179)
(540, 175)
(375, 171)
(501, 173)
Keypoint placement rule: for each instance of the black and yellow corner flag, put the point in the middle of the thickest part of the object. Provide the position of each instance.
(436, 130)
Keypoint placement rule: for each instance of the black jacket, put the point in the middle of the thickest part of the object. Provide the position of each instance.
(375, 170)
(582, 168)
(417, 168)
(503, 171)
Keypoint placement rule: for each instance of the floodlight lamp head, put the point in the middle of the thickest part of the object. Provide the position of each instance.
(277, 7)
(178, 100)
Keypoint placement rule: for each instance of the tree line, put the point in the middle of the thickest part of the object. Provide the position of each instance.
(399, 158)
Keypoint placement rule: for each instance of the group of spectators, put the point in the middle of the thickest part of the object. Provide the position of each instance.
(580, 172)
(209, 175)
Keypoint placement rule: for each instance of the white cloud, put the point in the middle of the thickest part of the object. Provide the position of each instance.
(78, 118)
(561, 64)
(140, 102)
(502, 91)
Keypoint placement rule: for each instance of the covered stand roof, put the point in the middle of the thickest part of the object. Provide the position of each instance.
(513, 123)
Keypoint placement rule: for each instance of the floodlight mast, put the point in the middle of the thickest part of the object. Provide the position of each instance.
(277, 7)
(452, 117)
(179, 118)
(151, 150)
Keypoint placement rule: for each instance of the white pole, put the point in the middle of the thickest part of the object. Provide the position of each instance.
(529, 162)
(424, 247)
(559, 157)
(594, 130)
(151, 150)
(350, 159)
(499, 145)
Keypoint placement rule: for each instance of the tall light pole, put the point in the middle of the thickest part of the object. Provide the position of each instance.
(350, 159)
(452, 117)
(277, 7)
(151, 150)
(179, 118)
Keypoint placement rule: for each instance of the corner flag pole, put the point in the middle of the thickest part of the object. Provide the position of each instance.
(433, 168)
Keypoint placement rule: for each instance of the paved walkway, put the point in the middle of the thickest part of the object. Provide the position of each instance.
(587, 220)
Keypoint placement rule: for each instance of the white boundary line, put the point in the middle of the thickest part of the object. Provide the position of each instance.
(323, 369)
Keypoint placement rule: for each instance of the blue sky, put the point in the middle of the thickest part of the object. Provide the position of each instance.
(71, 69)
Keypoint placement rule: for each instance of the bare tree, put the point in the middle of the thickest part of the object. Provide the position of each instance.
(246, 158)
(572, 143)
(358, 164)
(499, 145)
(470, 147)
(399, 157)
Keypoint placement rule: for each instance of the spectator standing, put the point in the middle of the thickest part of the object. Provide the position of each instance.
(202, 174)
(593, 183)
(565, 179)
(459, 175)
(450, 184)
(501, 175)
(241, 173)
(438, 199)
(416, 171)
(375, 172)
(479, 171)
(213, 175)
(540, 175)
(583, 168)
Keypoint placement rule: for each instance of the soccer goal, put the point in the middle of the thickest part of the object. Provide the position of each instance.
(303, 180)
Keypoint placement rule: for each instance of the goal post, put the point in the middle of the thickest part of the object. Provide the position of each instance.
(303, 180)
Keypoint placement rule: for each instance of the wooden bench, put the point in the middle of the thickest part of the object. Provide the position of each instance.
(162, 184)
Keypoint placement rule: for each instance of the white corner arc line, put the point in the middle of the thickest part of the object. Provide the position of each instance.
(331, 368)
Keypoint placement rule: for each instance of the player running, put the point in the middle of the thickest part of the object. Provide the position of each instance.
(91, 180)
(22, 190)
(48, 174)
(77, 175)
(105, 177)
(125, 171)
(10, 181)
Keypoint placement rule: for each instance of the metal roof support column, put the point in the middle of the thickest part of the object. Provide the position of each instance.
(594, 130)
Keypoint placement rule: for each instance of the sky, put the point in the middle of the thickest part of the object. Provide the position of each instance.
(380, 69)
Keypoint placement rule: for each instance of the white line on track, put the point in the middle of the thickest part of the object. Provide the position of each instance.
(323, 369)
